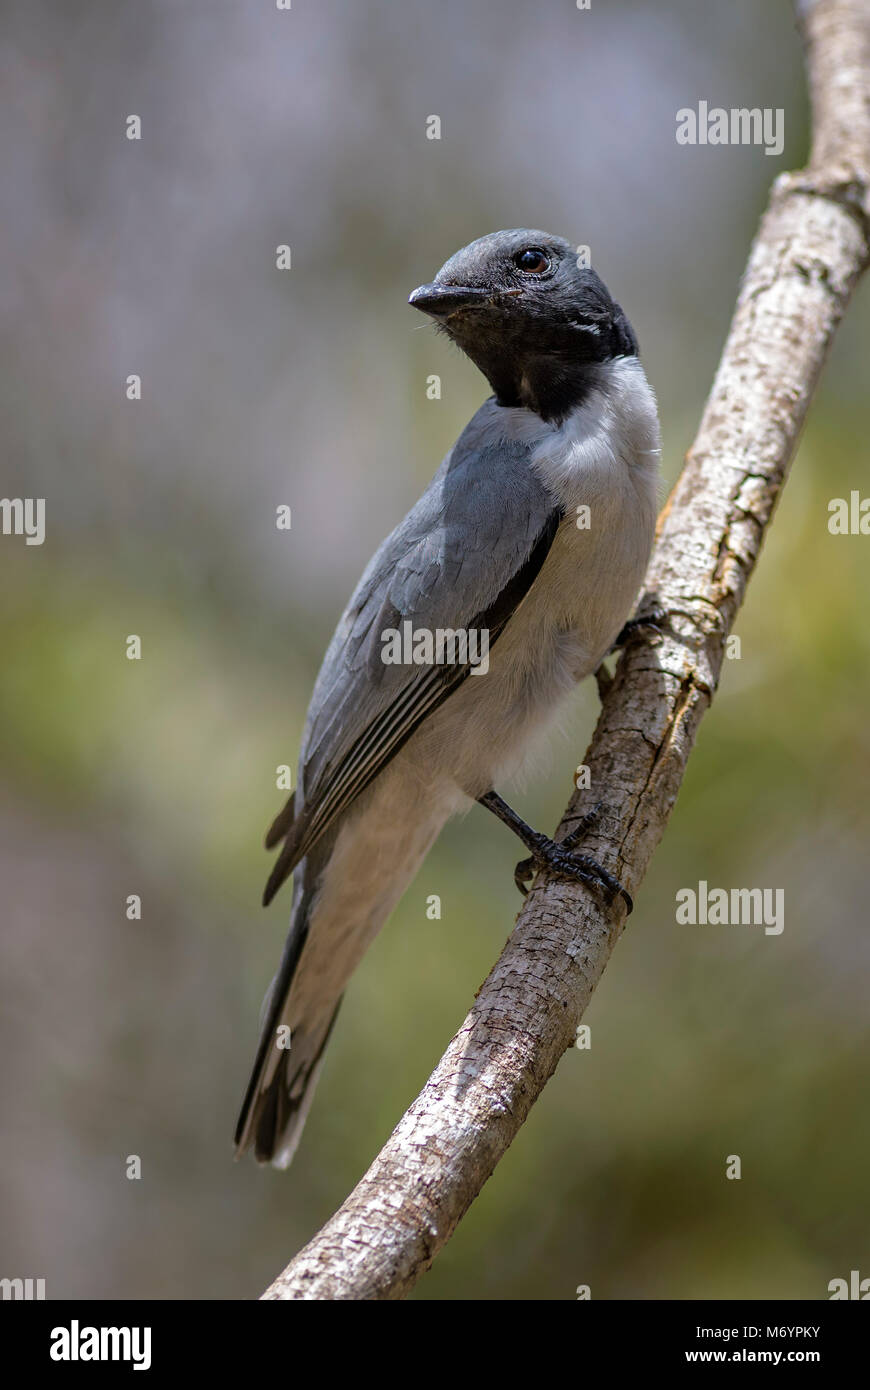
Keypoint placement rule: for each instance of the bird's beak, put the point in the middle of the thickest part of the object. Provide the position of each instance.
(443, 300)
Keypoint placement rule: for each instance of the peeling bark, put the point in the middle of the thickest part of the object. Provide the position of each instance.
(810, 250)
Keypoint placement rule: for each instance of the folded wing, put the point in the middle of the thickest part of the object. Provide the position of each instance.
(464, 558)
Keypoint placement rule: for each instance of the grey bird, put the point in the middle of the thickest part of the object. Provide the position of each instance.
(393, 747)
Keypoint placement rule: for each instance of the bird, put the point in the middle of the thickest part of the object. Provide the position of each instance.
(534, 534)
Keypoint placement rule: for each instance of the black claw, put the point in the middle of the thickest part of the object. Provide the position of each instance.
(522, 873)
(652, 622)
(603, 680)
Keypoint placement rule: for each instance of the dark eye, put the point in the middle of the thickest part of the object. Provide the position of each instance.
(533, 260)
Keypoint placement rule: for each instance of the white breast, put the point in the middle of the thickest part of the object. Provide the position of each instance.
(602, 464)
(610, 440)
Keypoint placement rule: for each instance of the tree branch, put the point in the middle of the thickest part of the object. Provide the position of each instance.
(811, 248)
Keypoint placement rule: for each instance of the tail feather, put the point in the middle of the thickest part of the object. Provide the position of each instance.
(274, 1111)
(279, 1112)
(283, 1079)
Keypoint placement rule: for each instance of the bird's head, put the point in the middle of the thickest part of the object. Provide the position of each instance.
(530, 315)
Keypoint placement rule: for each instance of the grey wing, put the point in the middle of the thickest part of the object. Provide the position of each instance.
(463, 558)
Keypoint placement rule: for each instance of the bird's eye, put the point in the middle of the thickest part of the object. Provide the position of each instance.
(533, 260)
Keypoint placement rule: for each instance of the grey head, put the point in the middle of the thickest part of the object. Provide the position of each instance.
(537, 324)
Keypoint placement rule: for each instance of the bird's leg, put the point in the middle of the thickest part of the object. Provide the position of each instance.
(556, 858)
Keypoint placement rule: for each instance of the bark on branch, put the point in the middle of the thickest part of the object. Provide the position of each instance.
(811, 248)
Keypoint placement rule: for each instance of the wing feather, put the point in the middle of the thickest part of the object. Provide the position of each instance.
(463, 558)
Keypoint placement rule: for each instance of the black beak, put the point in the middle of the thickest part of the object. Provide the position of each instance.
(443, 300)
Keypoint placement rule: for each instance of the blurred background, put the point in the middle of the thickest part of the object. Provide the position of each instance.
(307, 387)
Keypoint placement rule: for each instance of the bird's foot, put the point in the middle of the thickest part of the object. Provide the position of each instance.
(558, 858)
(652, 622)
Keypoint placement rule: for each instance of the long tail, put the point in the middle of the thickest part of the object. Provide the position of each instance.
(290, 1051)
(279, 1095)
(345, 888)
